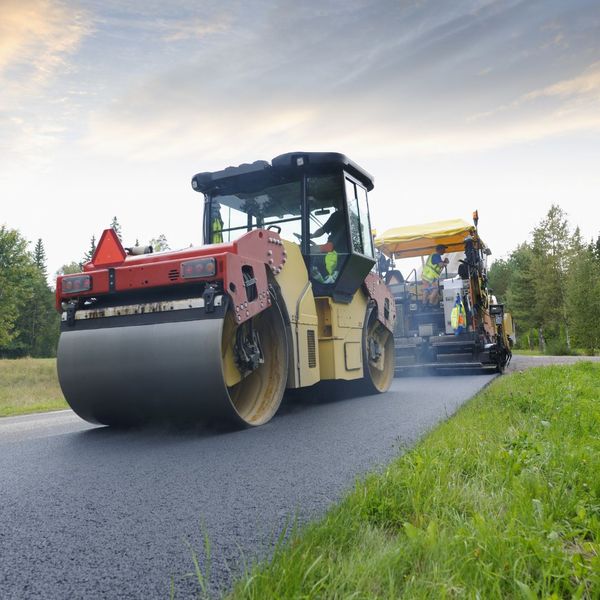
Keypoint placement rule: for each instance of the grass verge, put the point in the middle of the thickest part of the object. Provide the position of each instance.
(527, 352)
(572, 352)
(501, 501)
(29, 385)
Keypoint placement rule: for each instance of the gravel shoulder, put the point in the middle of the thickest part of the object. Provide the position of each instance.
(520, 362)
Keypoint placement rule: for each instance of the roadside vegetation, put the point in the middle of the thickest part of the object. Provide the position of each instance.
(501, 501)
(551, 286)
(524, 352)
(29, 322)
(572, 352)
(29, 385)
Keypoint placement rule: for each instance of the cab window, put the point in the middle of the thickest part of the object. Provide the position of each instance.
(358, 213)
(277, 207)
(328, 241)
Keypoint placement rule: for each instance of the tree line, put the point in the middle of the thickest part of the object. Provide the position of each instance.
(29, 322)
(551, 286)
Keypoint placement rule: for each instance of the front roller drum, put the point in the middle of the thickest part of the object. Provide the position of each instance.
(184, 371)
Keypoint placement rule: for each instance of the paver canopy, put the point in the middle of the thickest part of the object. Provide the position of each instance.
(419, 240)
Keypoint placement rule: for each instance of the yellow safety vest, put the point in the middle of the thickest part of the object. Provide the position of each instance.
(458, 317)
(432, 272)
(217, 228)
(331, 261)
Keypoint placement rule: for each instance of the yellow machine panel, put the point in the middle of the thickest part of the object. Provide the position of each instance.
(340, 337)
(353, 356)
(297, 294)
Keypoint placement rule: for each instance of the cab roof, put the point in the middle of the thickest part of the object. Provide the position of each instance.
(287, 166)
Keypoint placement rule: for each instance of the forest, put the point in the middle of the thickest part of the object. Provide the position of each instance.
(29, 322)
(549, 283)
(551, 286)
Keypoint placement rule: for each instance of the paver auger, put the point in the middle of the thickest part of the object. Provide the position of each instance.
(281, 296)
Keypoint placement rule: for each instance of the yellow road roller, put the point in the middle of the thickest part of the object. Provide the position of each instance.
(281, 296)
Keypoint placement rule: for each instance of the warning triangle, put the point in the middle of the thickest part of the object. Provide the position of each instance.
(109, 250)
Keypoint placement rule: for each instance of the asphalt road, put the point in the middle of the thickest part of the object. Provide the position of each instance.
(89, 512)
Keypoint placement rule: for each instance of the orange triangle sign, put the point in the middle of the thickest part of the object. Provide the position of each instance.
(109, 250)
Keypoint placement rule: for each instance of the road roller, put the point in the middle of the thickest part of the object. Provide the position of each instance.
(282, 295)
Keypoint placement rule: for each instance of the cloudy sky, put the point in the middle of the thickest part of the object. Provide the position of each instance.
(109, 107)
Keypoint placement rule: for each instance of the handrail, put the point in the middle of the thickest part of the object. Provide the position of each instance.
(408, 283)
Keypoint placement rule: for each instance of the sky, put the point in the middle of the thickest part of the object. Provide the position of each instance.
(109, 107)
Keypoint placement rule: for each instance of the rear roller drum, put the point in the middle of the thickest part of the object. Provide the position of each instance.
(378, 356)
(255, 365)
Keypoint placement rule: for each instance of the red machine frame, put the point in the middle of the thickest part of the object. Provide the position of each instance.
(112, 271)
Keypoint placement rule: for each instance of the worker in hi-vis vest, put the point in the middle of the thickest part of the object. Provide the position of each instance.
(458, 316)
(216, 223)
(331, 260)
(431, 275)
(335, 228)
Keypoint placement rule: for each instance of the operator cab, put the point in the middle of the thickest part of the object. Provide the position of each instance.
(315, 199)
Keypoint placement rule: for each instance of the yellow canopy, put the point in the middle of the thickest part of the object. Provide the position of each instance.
(421, 240)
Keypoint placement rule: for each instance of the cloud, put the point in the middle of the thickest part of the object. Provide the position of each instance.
(176, 31)
(37, 40)
(568, 105)
(585, 84)
(394, 77)
(36, 36)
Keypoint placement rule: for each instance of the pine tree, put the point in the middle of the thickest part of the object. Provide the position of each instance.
(521, 292)
(114, 224)
(576, 245)
(499, 277)
(595, 248)
(37, 325)
(39, 257)
(583, 300)
(90, 253)
(551, 249)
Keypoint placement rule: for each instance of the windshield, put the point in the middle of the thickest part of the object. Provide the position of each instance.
(277, 206)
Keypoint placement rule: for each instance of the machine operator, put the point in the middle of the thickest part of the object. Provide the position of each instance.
(216, 223)
(335, 228)
(431, 275)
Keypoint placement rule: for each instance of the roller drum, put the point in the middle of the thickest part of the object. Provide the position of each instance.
(124, 375)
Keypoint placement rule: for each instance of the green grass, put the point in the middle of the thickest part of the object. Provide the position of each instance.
(527, 352)
(29, 385)
(501, 501)
(572, 352)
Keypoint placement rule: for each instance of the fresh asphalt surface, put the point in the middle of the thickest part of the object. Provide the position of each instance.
(89, 512)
